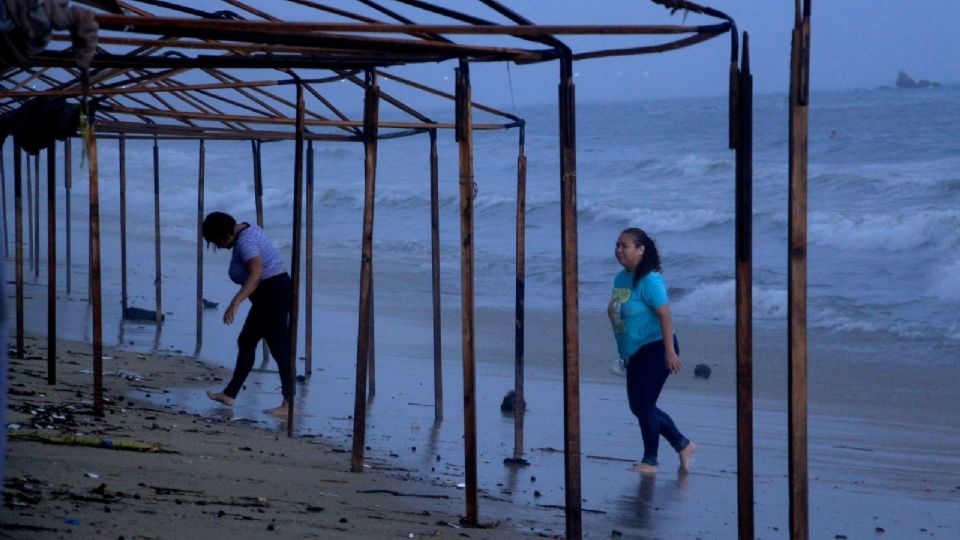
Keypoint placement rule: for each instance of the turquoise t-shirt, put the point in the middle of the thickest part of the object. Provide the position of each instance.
(637, 323)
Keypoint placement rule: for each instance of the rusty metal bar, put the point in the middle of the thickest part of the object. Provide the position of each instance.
(435, 274)
(797, 278)
(156, 230)
(371, 111)
(519, 404)
(52, 263)
(201, 173)
(744, 286)
(308, 286)
(68, 186)
(3, 195)
(124, 298)
(95, 293)
(18, 239)
(652, 49)
(295, 252)
(180, 26)
(465, 140)
(571, 334)
(313, 122)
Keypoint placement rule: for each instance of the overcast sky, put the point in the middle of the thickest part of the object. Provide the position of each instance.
(855, 44)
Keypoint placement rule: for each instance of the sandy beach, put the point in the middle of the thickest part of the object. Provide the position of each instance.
(198, 476)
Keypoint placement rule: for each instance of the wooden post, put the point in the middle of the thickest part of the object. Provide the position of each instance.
(571, 333)
(52, 264)
(295, 251)
(797, 274)
(122, 143)
(519, 407)
(158, 287)
(95, 297)
(435, 272)
(744, 286)
(372, 350)
(465, 139)
(18, 239)
(67, 186)
(3, 195)
(308, 286)
(371, 110)
(200, 181)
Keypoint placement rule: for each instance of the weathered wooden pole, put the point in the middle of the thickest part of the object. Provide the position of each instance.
(3, 195)
(372, 350)
(67, 187)
(435, 274)
(18, 239)
(201, 170)
(95, 296)
(519, 407)
(36, 216)
(571, 316)
(158, 287)
(308, 286)
(371, 111)
(52, 263)
(744, 286)
(797, 273)
(465, 139)
(122, 143)
(295, 251)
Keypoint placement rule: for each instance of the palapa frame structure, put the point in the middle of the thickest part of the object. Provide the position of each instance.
(178, 70)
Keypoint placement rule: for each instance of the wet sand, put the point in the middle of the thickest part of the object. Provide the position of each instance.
(202, 476)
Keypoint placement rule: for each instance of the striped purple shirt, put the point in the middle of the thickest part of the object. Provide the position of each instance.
(253, 242)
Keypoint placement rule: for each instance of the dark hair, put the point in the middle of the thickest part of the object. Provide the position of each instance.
(217, 227)
(650, 262)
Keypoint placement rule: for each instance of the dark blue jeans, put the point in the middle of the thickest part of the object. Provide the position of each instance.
(269, 318)
(646, 374)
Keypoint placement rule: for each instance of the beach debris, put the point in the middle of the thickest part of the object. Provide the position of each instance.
(77, 440)
(615, 534)
(72, 521)
(510, 401)
(618, 367)
(209, 304)
(461, 485)
(515, 462)
(140, 314)
(401, 494)
(702, 371)
(13, 427)
(92, 475)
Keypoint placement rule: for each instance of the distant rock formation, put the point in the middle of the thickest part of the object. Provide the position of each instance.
(905, 81)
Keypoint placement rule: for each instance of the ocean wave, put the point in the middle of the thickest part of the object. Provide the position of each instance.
(898, 231)
(662, 221)
(717, 301)
(946, 285)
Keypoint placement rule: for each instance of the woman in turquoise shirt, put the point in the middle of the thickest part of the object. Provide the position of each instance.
(641, 318)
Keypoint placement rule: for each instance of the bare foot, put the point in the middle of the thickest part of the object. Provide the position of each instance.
(686, 456)
(280, 411)
(221, 397)
(644, 468)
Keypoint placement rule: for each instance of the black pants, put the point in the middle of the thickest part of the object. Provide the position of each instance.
(646, 374)
(269, 318)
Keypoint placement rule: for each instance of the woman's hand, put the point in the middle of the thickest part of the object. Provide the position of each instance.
(230, 313)
(673, 361)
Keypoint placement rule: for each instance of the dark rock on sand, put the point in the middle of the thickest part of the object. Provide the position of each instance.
(139, 314)
(510, 401)
(702, 371)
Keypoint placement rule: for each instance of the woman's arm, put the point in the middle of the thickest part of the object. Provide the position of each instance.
(666, 328)
(255, 269)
